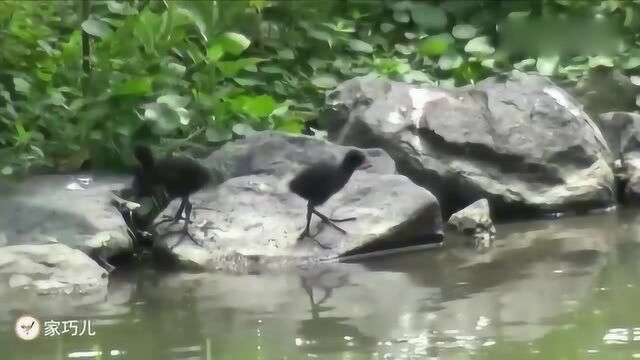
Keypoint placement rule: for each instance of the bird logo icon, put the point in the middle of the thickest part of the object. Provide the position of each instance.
(27, 327)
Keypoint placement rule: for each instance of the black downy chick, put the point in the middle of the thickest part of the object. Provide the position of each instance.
(319, 182)
(179, 177)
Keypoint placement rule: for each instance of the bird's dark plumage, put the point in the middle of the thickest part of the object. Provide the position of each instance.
(319, 182)
(178, 177)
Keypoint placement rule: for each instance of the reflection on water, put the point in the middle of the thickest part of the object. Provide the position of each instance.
(564, 289)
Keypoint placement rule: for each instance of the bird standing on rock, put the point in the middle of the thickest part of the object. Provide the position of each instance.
(178, 177)
(318, 182)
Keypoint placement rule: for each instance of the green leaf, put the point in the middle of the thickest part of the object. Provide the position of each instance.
(121, 8)
(234, 43)
(162, 115)
(324, 81)
(215, 52)
(436, 44)
(361, 46)
(218, 135)
(417, 76)
(464, 31)
(230, 68)
(547, 64)
(174, 101)
(450, 60)
(286, 54)
(635, 80)
(259, 106)
(524, 64)
(600, 60)
(7, 170)
(386, 27)
(429, 17)
(136, 86)
(479, 46)
(401, 17)
(243, 129)
(638, 100)
(631, 63)
(247, 82)
(291, 125)
(97, 28)
(404, 49)
(21, 85)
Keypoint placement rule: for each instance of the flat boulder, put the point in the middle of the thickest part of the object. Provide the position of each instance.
(50, 269)
(66, 209)
(519, 141)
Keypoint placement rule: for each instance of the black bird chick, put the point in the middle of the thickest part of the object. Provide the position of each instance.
(321, 181)
(178, 177)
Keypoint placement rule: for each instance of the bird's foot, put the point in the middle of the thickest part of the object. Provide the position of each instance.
(172, 220)
(305, 233)
(185, 234)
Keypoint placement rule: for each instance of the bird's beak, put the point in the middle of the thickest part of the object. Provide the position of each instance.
(365, 165)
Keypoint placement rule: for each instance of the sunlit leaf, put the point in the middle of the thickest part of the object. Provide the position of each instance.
(600, 60)
(464, 31)
(386, 27)
(173, 100)
(404, 49)
(121, 8)
(136, 86)
(428, 16)
(234, 43)
(215, 52)
(361, 46)
(524, 64)
(243, 129)
(450, 60)
(259, 106)
(436, 44)
(324, 81)
(286, 54)
(7, 170)
(479, 46)
(97, 28)
(218, 135)
(21, 85)
(401, 16)
(547, 64)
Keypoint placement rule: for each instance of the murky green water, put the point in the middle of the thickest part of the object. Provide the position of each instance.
(563, 289)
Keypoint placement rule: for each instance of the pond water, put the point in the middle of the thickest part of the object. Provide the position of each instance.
(557, 289)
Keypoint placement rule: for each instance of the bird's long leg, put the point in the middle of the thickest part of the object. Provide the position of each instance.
(306, 228)
(178, 216)
(310, 211)
(185, 228)
(326, 220)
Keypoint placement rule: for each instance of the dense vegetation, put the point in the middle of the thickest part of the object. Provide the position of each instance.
(184, 74)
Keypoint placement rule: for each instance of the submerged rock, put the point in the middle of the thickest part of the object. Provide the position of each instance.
(475, 220)
(50, 269)
(522, 143)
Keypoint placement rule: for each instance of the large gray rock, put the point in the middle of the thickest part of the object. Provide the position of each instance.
(50, 269)
(256, 221)
(279, 154)
(522, 143)
(63, 209)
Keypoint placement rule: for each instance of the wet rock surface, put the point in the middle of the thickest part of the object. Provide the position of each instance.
(475, 220)
(50, 269)
(520, 141)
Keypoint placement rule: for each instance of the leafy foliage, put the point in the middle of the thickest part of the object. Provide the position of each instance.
(193, 73)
